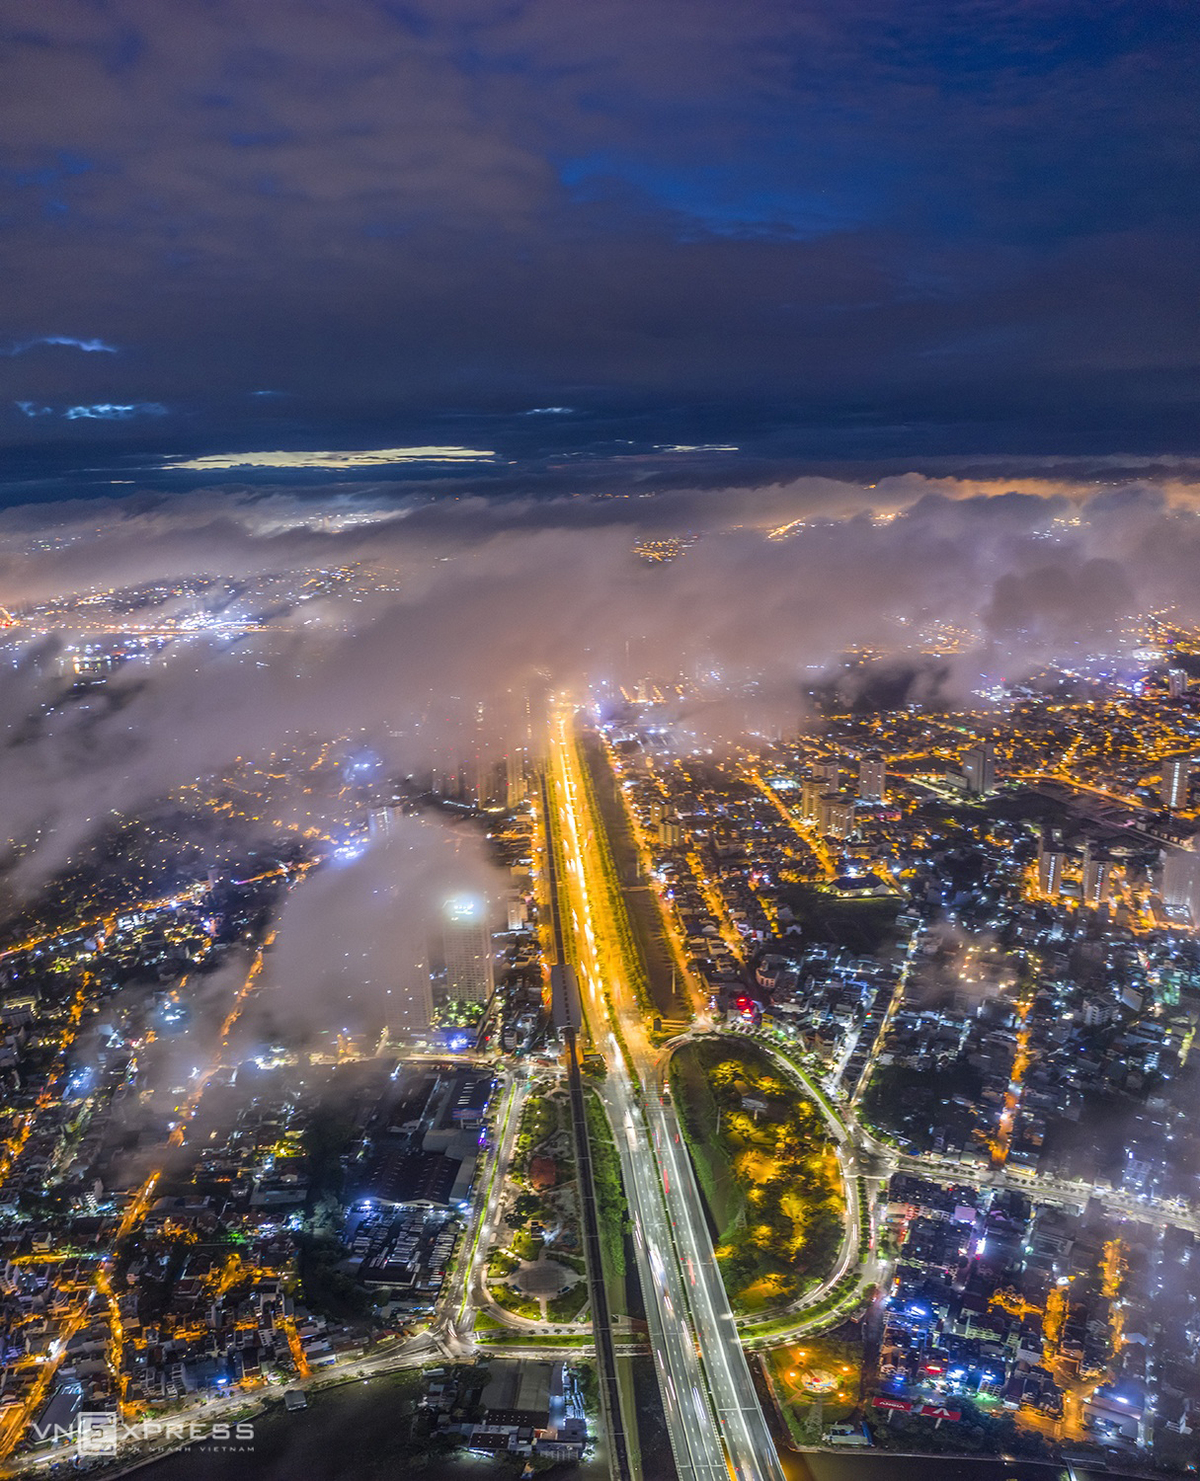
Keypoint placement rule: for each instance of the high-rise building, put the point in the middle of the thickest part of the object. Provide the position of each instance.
(514, 775)
(1176, 774)
(518, 910)
(836, 818)
(670, 833)
(811, 791)
(1177, 683)
(979, 769)
(1050, 862)
(409, 1004)
(381, 821)
(1096, 876)
(413, 1012)
(831, 770)
(1051, 854)
(1181, 879)
(872, 777)
(467, 944)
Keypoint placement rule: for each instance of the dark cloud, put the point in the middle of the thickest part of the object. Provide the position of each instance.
(1058, 605)
(885, 685)
(821, 232)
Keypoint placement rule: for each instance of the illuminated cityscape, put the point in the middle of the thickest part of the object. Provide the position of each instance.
(555, 1051)
(599, 741)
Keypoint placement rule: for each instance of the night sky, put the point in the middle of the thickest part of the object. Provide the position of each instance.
(667, 241)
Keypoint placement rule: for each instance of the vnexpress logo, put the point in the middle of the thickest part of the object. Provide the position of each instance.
(97, 1433)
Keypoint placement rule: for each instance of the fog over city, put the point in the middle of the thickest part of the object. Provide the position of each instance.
(354, 939)
(599, 739)
(482, 598)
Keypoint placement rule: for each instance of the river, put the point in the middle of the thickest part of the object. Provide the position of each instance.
(866, 1465)
(355, 1432)
(360, 1432)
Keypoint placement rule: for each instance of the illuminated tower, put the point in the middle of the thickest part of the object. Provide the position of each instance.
(1177, 683)
(979, 769)
(1181, 879)
(467, 945)
(1050, 862)
(1177, 773)
(1097, 868)
(872, 777)
(836, 818)
(381, 821)
(411, 1013)
(514, 775)
(811, 791)
(479, 781)
(831, 770)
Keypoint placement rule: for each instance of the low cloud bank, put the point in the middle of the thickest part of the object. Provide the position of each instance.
(446, 613)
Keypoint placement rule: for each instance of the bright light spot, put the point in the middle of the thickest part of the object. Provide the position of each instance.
(365, 458)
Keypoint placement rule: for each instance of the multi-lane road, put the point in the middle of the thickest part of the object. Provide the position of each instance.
(695, 1441)
(714, 1418)
(713, 1415)
(567, 1016)
(690, 1422)
(1161, 1212)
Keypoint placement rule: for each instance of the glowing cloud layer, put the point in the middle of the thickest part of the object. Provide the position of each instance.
(107, 411)
(459, 607)
(367, 458)
(88, 346)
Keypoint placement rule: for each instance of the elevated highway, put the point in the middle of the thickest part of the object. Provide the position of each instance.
(714, 1417)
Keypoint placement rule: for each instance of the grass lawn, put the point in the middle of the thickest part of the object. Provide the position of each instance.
(747, 1126)
(861, 926)
(641, 903)
(611, 1209)
(567, 1307)
(699, 1113)
(519, 1305)
(817, 1381)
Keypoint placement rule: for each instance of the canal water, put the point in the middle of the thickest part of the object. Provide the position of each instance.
(865, 1465)
(361, 1432)
(355, 1432)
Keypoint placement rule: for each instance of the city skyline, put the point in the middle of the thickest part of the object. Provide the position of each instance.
(599, 739)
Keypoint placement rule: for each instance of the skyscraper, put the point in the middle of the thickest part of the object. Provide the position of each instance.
(1176, 774)
(1095, 877)
(381, 821)
(1177, 683)
(979, 769)
(872, 777)
(670, 833)
(412, 1012)
(1051, 853)
(1181, 879)
(514, 774)
(467, 945)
